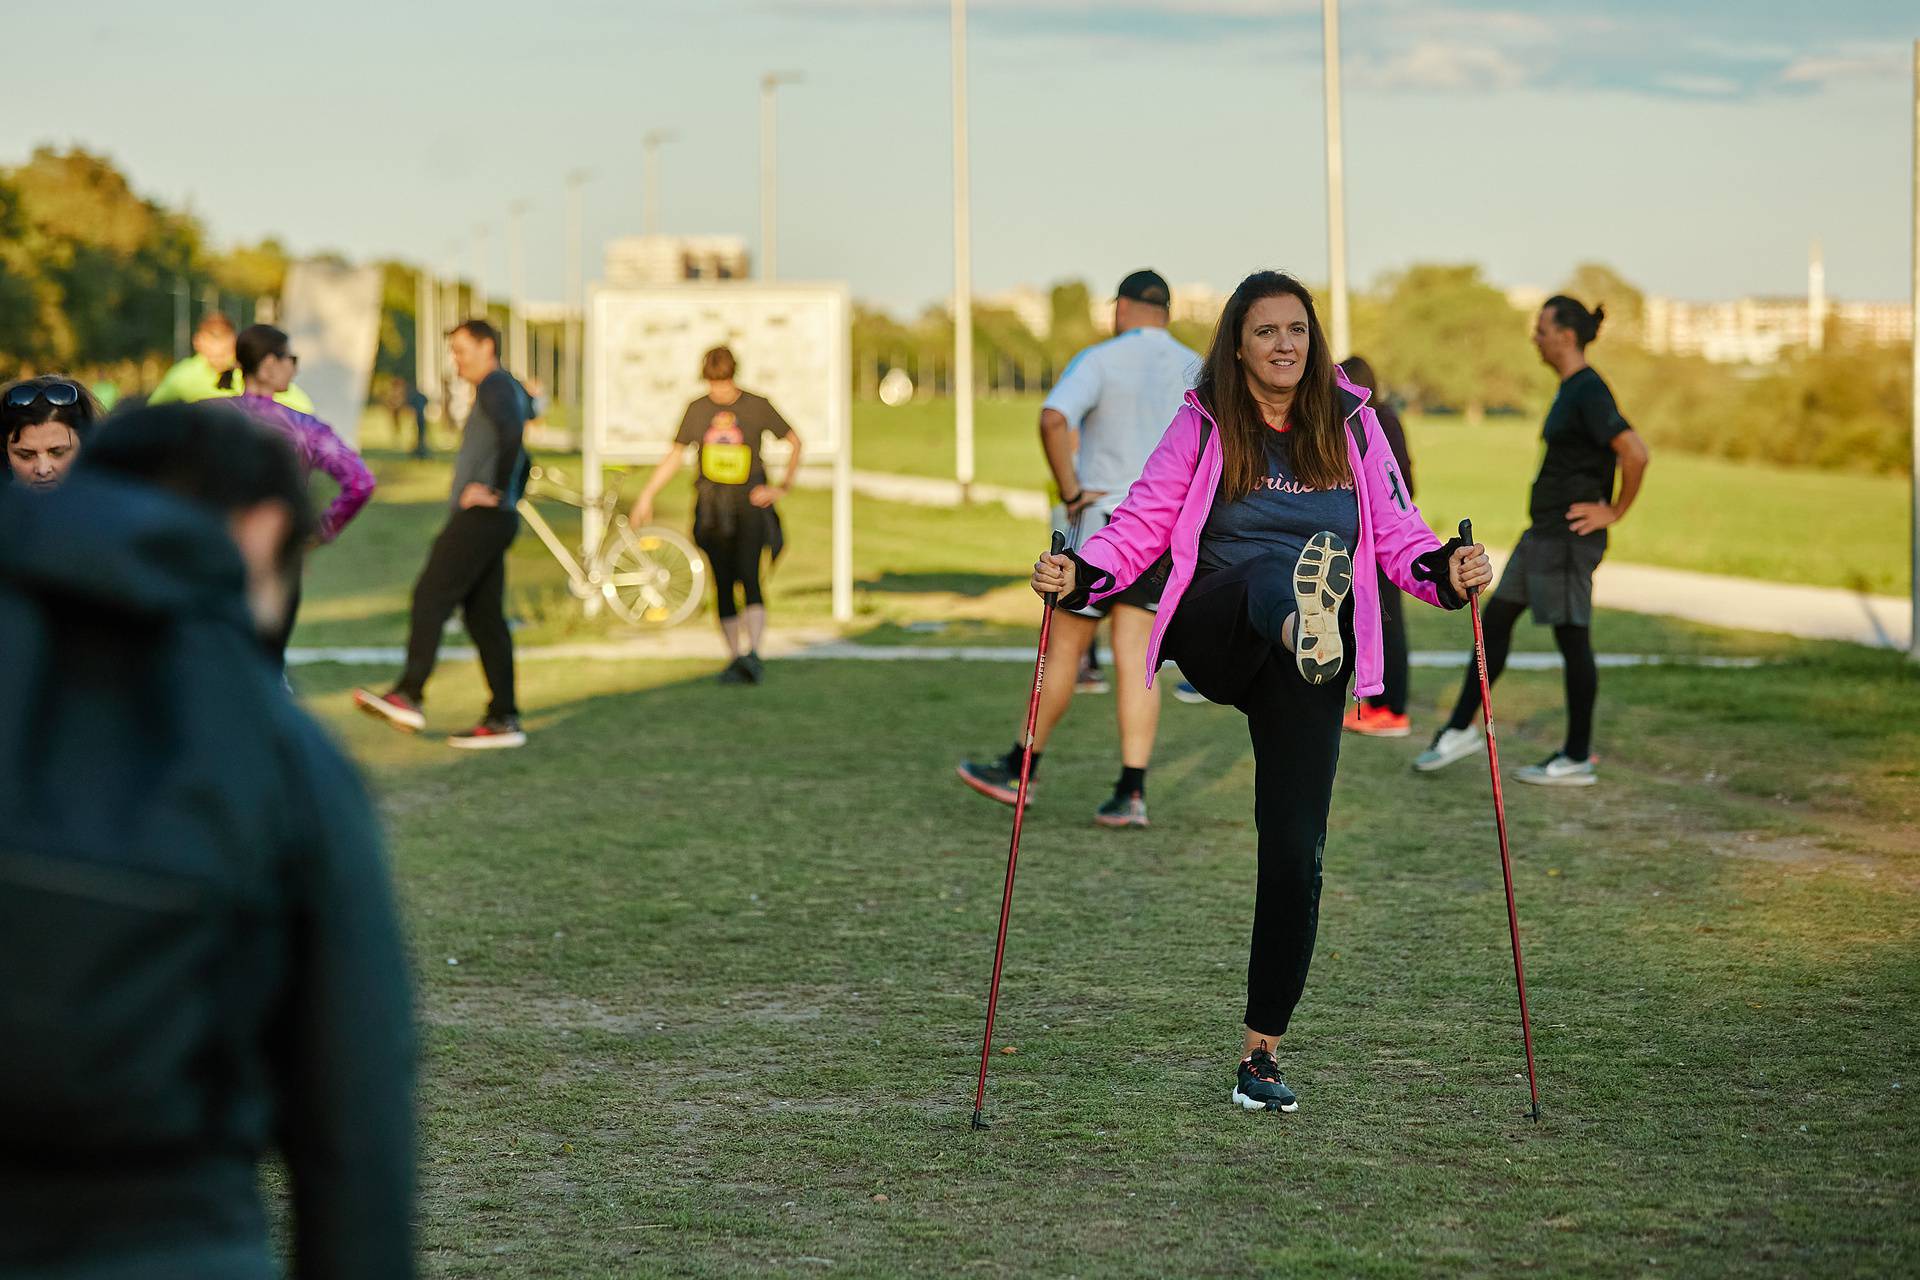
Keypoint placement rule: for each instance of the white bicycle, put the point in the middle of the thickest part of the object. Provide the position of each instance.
(651, 577)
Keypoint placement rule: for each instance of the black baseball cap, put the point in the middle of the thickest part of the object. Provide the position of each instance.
(1147, 286)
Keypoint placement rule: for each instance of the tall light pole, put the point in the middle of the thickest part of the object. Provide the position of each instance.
(517, 282)
(1913, 637)
(576, 300)
(650, 143)
(962, 265)
(769, 173)
(479, 303)
(1341, 337)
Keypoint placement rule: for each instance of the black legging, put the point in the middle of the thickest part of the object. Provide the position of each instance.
(277, 643)
(734, 557)
(467, 567)
(1295, 728)
(1393, 645)
(1576, 654)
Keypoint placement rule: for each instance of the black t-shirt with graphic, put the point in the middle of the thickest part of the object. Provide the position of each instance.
(1280, 514)
(727, 445)
(1579, 462)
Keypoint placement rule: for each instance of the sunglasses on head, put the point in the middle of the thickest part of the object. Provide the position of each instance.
(58, 394)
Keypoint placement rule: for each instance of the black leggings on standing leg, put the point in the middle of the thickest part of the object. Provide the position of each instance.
(1496, 623)
(1393, 648)
(734, 557)
(1583, 686)
(467, 569)
(1576, 653)
(1295, 727)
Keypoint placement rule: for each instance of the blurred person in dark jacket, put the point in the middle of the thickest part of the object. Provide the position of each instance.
(200, 960)
(1385, 714)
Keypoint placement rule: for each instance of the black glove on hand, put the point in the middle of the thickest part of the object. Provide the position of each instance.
(1434, 567)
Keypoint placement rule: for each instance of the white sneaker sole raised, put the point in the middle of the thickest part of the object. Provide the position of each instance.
(1321, 580)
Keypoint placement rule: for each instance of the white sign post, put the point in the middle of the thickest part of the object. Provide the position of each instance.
(794, 346)
(331, 315)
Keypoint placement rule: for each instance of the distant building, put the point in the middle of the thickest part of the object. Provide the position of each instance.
(655, 260)
(1759, 330)
(1032, 305)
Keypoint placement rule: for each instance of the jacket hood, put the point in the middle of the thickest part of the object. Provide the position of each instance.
(120, 547)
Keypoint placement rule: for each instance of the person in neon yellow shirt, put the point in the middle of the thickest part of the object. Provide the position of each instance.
(210, 371)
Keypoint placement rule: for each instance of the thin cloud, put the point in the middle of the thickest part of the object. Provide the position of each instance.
(1871, 62)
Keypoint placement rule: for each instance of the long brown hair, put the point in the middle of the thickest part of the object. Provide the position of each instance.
(1318, 436)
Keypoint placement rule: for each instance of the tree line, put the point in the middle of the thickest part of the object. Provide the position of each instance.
(95, 279)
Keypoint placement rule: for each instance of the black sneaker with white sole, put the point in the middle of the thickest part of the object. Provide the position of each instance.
(1321, 581)
(997, 779)
(491, 734)
(1260, 1088)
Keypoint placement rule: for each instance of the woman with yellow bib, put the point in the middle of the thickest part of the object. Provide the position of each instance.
(734, 523)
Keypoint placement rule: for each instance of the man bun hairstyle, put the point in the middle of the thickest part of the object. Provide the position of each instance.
(1569, 313)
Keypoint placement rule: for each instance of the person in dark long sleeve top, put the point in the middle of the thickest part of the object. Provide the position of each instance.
(1385, 714)
(192, 875)
(467, 566)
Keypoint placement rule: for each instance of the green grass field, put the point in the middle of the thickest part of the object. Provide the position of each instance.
(722, 956)
(1697, 513)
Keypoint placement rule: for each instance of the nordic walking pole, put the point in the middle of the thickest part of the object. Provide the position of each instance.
(1500, 820)
(1013, 850)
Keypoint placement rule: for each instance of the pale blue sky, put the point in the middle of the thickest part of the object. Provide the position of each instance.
(1697, 145)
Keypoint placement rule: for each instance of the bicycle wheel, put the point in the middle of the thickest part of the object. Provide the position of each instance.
(652, 577)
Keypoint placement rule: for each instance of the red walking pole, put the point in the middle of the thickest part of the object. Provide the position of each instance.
(1013, 850)
(1500, 820)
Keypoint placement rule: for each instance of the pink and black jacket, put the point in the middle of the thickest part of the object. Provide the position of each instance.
(1167, 507)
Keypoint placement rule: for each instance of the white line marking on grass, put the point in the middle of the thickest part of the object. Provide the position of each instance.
(706, 649)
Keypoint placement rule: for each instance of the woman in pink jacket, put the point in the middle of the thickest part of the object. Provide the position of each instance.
(1277, 495)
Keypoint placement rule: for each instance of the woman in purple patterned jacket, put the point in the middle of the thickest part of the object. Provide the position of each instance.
(268, 364)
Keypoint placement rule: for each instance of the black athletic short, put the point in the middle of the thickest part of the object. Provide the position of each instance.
(1553, 576)
(1142, 593)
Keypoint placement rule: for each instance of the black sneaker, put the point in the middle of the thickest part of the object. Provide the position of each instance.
(996, 779)
(491, 734)
(736, 673)
(1260, 1087)
(755, 669)
(1321, 581)
(1128, 810)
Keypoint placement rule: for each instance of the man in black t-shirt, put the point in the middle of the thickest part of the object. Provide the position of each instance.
(1551, 570)
(734, 521)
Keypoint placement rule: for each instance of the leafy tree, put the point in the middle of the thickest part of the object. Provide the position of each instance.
(1596, 284)
(1451, 339)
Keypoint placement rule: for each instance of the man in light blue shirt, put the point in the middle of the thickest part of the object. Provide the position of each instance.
(1102, 420)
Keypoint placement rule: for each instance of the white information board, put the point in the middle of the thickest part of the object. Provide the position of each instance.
(792, 344)
(331, 315)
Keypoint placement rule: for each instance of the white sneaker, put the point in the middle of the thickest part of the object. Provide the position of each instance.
(1448, 746)
(1558, 771)
(1185, 692)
